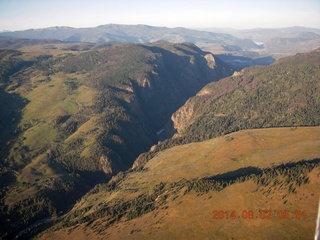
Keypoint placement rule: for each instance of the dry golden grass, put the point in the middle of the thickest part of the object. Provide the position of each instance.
(31, 51)
(48, 99)
(255, 148)
(189, 216)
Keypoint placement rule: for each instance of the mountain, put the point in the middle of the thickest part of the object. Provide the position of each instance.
(284, 94)
(285, 46)
(89, 135)
(48, 46)
(263, 34)
(132, 33)
(257, 170)
(280, 42)
(71, 119)
(250, 43)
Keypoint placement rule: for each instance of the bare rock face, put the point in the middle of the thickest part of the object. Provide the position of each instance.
(136, 164)
(106, 164)
(210, 60)
(181, 118)
(140, 161)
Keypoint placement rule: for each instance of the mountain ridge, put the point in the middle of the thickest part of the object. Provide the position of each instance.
(130, 33)
(281, 42)
(249, 81)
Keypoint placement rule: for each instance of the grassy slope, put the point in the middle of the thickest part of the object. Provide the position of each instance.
(48, 97)
(258, 148)
(189, 216)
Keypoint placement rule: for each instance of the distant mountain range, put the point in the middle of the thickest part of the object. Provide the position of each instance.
(132, 33)
(253, 43)
(263, 34)
(280, 42)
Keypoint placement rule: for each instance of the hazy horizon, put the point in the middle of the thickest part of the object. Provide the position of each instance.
(217, 29)
(203, 14)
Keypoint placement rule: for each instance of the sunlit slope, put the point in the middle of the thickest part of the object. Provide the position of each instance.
(251, 148)
(175, 194)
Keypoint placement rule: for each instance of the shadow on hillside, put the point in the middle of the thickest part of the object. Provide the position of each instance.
(242, 172)
(235, 174)
(11, 105)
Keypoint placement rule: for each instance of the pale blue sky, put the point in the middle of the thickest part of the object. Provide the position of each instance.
(239, 14)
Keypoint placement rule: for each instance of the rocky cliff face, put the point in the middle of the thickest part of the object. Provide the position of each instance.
(179, 72)
(180, 119)
(282, 94)
(185, 115)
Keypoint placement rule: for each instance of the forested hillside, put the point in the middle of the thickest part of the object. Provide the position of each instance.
(284, 94)
(71, 119)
